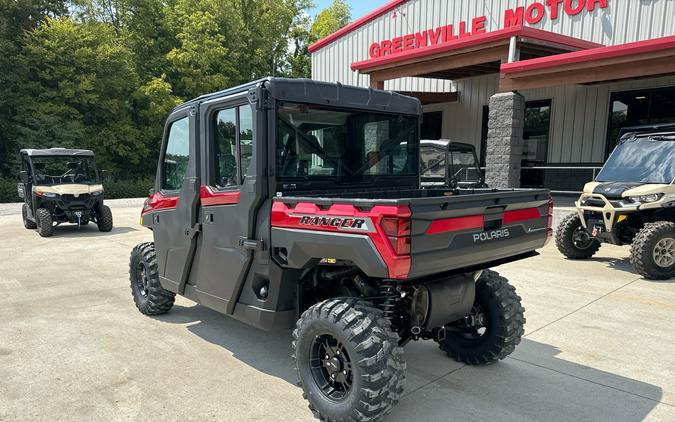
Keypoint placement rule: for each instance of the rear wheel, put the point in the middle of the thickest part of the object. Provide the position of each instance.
(45, 224)
(348, 361)
(573, 240)
(494, 327)
(105, 219)
(653, 251)
(149, 295)
(29, 224)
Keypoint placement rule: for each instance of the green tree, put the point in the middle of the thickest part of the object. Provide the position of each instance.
(16, 17)
(334, 17)
(79, 85)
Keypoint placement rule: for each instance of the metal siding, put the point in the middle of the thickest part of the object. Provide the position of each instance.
(622, 21)
(579, 113)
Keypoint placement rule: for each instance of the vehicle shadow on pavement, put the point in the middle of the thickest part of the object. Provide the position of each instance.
(532, 385)
(623, 264)
(535, 384)
(266, 351)
(90, 230)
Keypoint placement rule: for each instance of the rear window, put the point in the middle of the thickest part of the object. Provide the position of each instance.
(317, 142)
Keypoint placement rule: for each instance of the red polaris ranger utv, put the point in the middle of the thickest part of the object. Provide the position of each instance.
(295, 203)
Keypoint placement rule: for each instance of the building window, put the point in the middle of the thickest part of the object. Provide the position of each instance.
(636, 108)
(535, 147)
(432, 125)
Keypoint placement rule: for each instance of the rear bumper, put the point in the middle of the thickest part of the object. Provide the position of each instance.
(480, 256)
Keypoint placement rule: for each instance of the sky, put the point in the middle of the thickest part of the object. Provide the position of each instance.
(359, 7)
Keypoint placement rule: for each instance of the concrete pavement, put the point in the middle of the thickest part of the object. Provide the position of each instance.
(599, 344)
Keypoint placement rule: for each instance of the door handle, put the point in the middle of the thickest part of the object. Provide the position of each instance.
(250, 244)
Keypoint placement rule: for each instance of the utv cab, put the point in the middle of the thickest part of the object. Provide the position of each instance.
(61, 185)
(296, 203)
(450, 164)
(631, 202)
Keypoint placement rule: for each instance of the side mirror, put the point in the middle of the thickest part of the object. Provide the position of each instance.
(23, 175)
(151, 191)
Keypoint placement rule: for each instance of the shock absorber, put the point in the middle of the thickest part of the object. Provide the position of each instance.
(389, 298)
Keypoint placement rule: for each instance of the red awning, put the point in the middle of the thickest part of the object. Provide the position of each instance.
(603, 64)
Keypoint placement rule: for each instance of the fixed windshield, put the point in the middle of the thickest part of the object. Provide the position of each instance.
(59, 170)
(463, 165)
(317, 142)
(642, 160)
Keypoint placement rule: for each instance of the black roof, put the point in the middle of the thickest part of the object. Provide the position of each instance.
(660, 128)
(56, 152)
(316, 92)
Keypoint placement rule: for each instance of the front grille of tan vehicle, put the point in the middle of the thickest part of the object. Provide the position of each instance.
(82, 197)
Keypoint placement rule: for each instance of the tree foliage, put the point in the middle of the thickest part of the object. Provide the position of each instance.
(334, 17)
(104, 74)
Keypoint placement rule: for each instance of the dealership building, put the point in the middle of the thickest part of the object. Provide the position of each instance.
(541, 88)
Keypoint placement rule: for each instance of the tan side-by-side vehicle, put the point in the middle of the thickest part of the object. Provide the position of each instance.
(631, 202)
(61, 185)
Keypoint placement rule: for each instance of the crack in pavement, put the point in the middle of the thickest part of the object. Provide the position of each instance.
(433, 381)
(591, 381)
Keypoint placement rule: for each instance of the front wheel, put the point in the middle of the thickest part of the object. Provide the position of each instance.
(573, 240)
(149, 295)
(45, 224)
(105, 219)
(348, 360)
(652, 253)
(29, 224)
(494, 327)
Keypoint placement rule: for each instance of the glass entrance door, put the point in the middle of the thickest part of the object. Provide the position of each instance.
(535, 147)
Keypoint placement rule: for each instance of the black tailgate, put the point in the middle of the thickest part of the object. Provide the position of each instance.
(455, 232)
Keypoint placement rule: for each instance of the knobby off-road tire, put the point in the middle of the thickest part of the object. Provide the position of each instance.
(364, 354)
(652, 253)
(105, 219)
(45, 224)
(568, 242)
(502, 328)
(29, 224)
(148, 294)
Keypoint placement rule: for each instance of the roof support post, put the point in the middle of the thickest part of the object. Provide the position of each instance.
(514, 50)
(375, 83)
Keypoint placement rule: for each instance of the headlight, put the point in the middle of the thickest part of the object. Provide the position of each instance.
(97, 193)
(647, 198)
(47, 194)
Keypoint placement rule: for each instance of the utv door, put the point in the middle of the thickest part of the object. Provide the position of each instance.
(175, 226)
(26, 184)
(229, 199)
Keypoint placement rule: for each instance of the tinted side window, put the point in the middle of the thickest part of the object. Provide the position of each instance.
(226, 148)
(233, 145)
(177, 155)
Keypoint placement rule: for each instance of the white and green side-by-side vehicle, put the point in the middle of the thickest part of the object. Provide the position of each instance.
(631, 202)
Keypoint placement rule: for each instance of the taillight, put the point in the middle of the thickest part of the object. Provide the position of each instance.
(397, 230)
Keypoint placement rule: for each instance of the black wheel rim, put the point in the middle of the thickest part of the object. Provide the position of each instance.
(474, 326)
(581, 238)
(142, 279)
(331, 367)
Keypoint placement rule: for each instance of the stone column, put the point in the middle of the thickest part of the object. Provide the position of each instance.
(505, 140)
